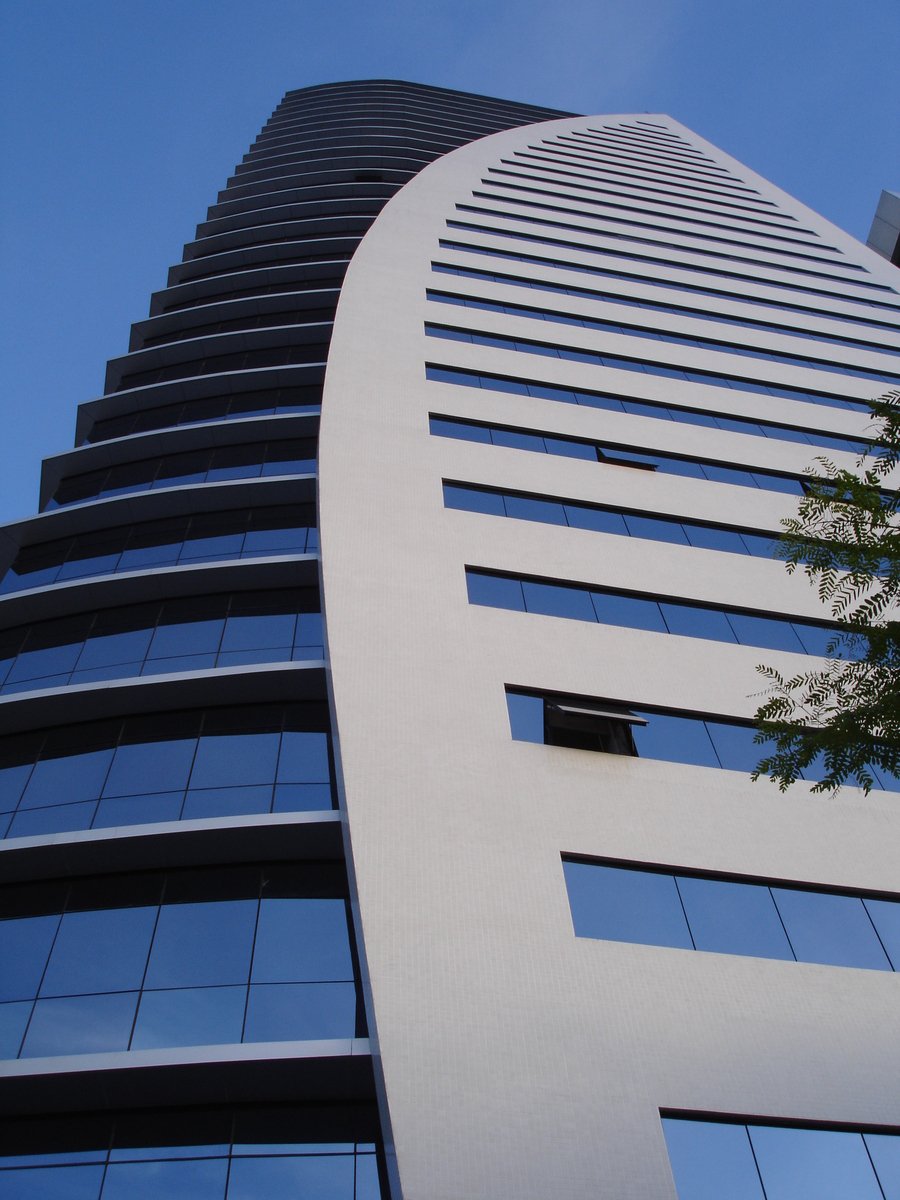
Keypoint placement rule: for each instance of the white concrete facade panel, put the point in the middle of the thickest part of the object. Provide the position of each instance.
(517, 1060)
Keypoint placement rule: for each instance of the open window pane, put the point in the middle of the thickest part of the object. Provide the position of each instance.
(526, 717)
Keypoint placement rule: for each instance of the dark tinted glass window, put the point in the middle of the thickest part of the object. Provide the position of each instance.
(177, 635)
(748, 1162)
(202, 537)
(250, 461)
(584, 516)
(725, 916)
(190, 1154)
(165, 768)
(177, 959)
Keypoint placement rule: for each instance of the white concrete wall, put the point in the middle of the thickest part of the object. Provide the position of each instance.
(518, 1061)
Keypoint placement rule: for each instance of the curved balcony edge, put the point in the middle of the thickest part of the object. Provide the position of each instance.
(175, 582)
(224, 495)
(211, 841)
(192, 387)
(256, 683)
(190, 350)
(134, 447)
(335, 1071)
(244, 306)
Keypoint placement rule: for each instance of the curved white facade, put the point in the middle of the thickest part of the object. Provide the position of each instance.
(517, 1059)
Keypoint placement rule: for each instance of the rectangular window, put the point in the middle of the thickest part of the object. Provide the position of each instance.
(666, 261)
(578, 515)
(641, 408)
(607, 272)
(645, 733)
(179, 958)
(621, 902)
(180, 766)
(328, 1151)
(712, 1160)
(204, 537)
(623, 363)
(250, 461)
(193, 634)
(655, 906)
(578, 602)
(614, 455)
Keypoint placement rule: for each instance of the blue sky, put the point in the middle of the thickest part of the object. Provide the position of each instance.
(122, 118)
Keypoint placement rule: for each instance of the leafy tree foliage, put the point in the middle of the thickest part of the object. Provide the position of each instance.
(844, 719)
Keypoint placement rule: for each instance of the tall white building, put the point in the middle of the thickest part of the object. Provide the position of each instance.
(576, 371)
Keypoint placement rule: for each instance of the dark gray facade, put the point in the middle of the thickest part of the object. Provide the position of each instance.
(182, 1012)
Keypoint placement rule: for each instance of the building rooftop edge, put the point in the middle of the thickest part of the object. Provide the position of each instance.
(424, 87)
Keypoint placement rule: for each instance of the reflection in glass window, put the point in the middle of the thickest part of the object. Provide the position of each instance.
(643, 408)
(195, 1154)
(625, 906)
(732, 918)
(165, 767)
(643, 257)
(652, 733)
(678, 739)
(610, 272)
(828, 928)
(300, 398)
(658, 306)
(496, 435)
(594, 517)
(191, 634)
(622, 903)
(244, 461)
(712, 1159)
(665, 336)
(185, 958)
(203, 537)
